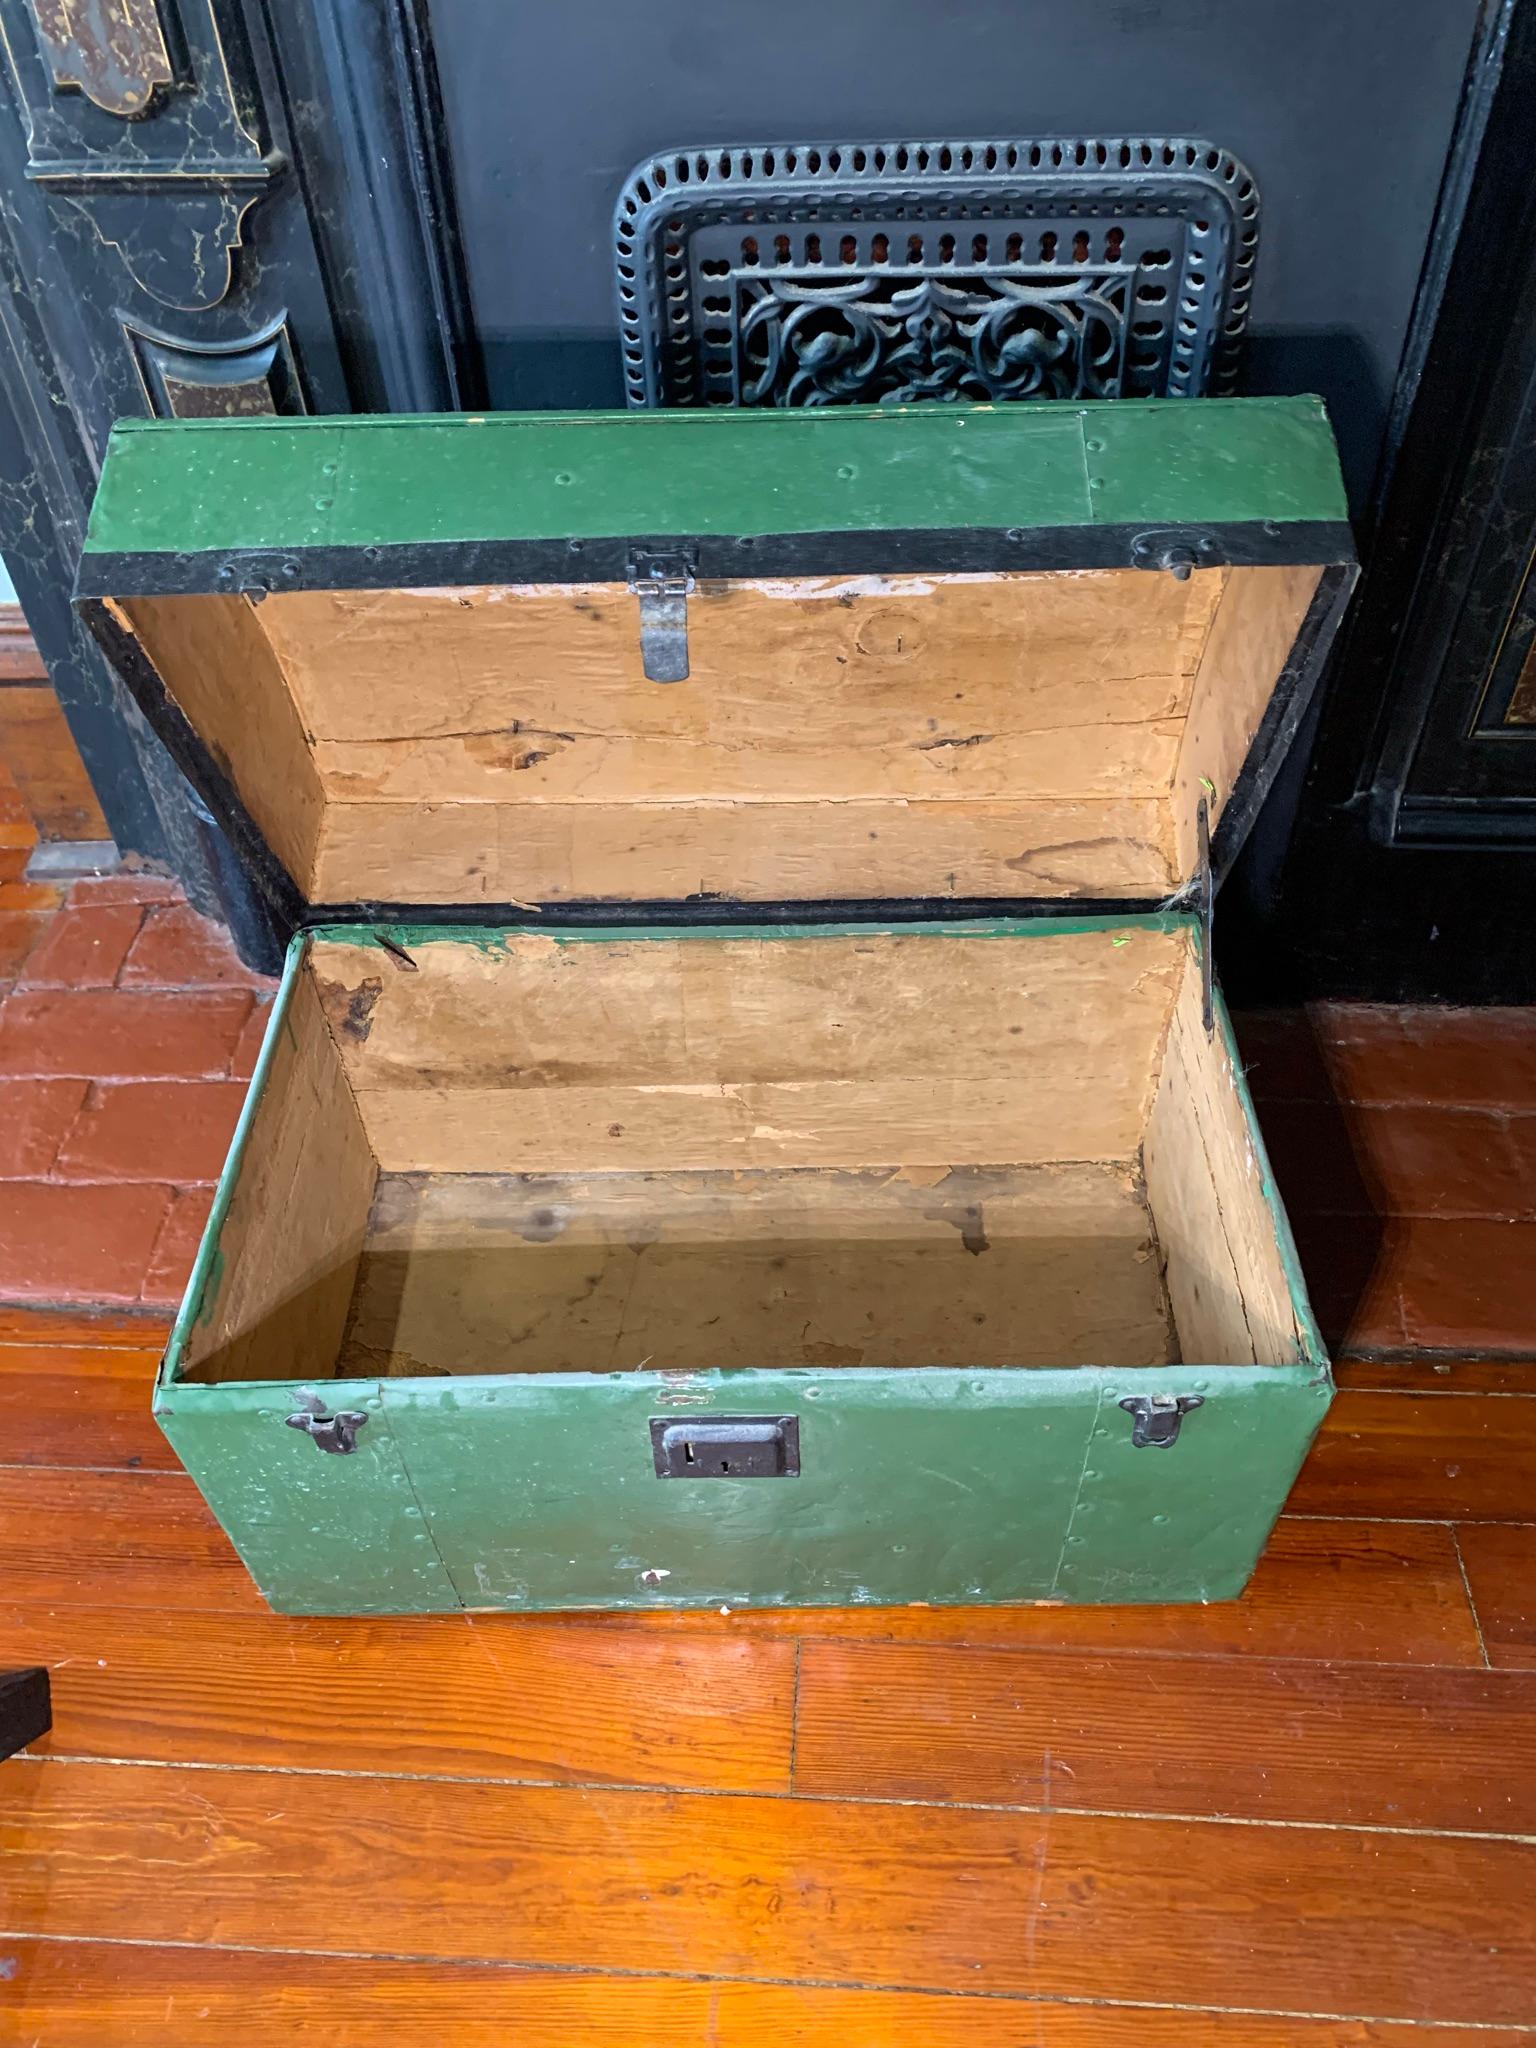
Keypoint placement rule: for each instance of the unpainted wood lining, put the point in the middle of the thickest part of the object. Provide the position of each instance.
(1248, 642)
(1227, 1283)
(793, 852)
(529, 1053)
(969, 1266)
(970, 735)
(288, 1252)
(218, 665)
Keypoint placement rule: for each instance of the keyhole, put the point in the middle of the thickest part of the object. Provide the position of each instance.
(688, 1454)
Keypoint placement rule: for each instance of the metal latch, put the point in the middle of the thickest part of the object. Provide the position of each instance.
(662, 579)
(1158, 1417)
(335, 1433)
(726, 1447)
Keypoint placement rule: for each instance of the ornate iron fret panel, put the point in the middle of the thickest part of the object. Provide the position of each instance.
(841, 273)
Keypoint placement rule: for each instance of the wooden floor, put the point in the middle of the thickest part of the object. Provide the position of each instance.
(1307, 1820)
(1302, 1821)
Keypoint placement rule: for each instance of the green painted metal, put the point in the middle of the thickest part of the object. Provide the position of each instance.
(194, 485)
(916, 1486)
(319, 1534)
(1188, 1522)
(487, 938)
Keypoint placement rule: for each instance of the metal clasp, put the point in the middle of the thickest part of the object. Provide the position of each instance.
(334, 1433)
(663, 579)
(1158, 1417)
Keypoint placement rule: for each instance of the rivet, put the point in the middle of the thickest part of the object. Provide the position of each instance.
(564, 477)
(846, 471)
(1095, 483)
(1094, 447)
(1074, 1539)
(1159, 1518)
(324, 504)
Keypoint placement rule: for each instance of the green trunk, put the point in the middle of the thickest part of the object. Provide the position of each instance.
(320, 1534)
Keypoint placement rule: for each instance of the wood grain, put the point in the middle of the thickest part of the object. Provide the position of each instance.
(532, 1054)
(1437, 1375)
(1228, 1287)
(1059, 1905)
(104, 1995)
(479, 1697)
(1404, 1747)
(42, 755)
(80, 1405)
(215, 660)
(1007, 1266)
(136, 1539)
(132, 1330)
(754, 853)
(1501, 1572)
(278, 1293)
(1435, 1456)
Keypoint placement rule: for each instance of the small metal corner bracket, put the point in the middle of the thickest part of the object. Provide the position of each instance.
(662, 579)
(334, 1433)
(1158, 1417)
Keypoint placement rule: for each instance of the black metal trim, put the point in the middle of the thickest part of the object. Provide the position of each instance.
(723, 912)
(891, 552)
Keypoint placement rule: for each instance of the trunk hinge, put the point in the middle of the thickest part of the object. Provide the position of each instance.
(662, 579)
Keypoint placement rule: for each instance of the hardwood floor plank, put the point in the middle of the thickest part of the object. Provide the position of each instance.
(137, 1330)
(76, 1405)
(907, 1897)
(1435, 1456)
(1399, 1748)
(1335, 1590)
(1501, 1571)
(494, 1696)
(134, 1539)
(1438, 1375)
(99, 1995)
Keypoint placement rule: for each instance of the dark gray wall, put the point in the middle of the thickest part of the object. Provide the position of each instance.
(1342, 109)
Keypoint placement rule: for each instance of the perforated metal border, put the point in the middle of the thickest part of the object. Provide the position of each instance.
(669, 196)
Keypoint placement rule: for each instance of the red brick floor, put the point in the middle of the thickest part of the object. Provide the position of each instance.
(127, 1030)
